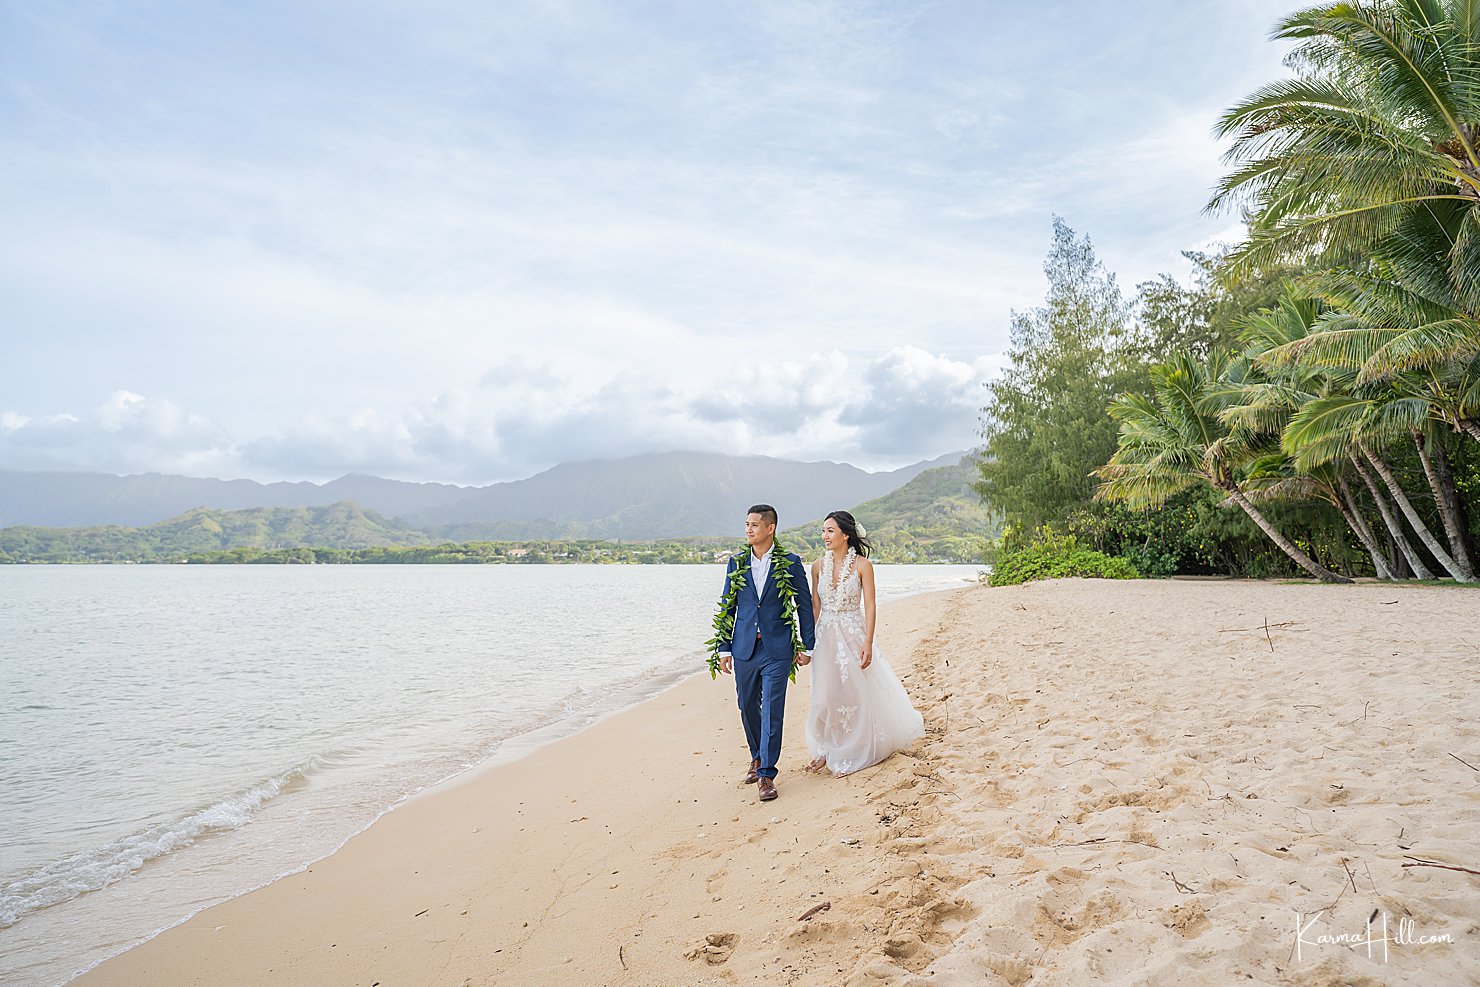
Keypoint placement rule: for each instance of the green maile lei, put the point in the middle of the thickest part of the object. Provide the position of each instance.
(724, 617)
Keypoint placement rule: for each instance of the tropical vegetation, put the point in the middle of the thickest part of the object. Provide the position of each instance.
(1058, 557)
(1310, 404)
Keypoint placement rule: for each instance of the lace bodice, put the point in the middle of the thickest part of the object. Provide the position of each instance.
(846, 598)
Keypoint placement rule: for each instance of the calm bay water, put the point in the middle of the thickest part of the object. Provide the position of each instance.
(172, 736)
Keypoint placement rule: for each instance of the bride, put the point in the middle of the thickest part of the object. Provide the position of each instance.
(859, 712)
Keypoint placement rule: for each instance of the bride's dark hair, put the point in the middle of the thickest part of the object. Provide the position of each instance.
(849, 528)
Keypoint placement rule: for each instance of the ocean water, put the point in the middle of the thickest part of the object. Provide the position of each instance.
(173, 736)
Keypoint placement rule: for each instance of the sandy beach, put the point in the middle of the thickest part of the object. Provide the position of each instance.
(1173, 782)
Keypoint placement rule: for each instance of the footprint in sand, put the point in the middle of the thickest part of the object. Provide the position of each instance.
(715, 949)
(1188, 919)
(1008, 952)
(1016, 970)
(903, 946)
(1063, 914)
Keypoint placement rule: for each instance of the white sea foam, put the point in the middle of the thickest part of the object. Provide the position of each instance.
(65, 879)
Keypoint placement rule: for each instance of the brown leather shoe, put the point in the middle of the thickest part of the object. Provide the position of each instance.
(767, 790)
(753, 775)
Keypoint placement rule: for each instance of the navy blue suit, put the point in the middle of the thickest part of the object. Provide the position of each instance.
(762, 649)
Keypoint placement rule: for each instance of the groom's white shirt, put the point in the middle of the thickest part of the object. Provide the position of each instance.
(760, 569)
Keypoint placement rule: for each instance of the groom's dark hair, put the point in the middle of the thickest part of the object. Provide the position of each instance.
(766, 511)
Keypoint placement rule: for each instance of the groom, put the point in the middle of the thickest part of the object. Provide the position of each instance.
(760, 651)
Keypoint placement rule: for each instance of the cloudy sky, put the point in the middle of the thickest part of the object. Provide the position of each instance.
(463, 241)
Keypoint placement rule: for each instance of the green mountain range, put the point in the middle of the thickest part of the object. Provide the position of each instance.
(661, 495)
(935, 517)
(344, 525)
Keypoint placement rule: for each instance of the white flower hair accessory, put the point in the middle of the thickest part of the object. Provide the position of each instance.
(862, 531)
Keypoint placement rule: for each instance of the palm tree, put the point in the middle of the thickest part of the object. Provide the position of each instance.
(1390, 518)
(1175, 441)
(1446, 498)
(1357, 426)
(1359, 418)
(1276, 478)
(1380, 122)
(1401, 314)
(1266, 395)
(1366, 412)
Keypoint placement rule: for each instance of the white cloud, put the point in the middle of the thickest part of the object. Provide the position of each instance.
(127, 433)
(913, 399)
(787, 227)
(899, 407)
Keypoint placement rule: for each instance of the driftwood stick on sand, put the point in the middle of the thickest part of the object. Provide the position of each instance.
(1462, 761)
(1100, 839)
(814, 910)
(1420, 862)
(1265, 627)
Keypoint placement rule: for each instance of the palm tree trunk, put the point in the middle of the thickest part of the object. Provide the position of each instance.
(1397, 562)
(1394, 526)
(1286, 545)
(1447, 504)
(1419, 528)
(1461, 506)
(1358, 524)
(1456, 503)
(1471, 428)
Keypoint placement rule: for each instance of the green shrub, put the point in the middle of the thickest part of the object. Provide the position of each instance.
(1056, 557)
(1152, 561)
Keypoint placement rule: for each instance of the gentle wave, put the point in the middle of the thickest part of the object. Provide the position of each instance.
(568, 713)
(75, 875)
(65, 879)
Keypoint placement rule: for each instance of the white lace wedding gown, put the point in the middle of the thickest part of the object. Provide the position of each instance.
(858, 716)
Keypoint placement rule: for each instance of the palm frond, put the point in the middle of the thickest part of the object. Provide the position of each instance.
(1338, 348)
(1323, 429)
(1140, 485)
(1439, 342)
(1388, 420)
(1287, 489)
(1406, 61)
(1377, 129)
